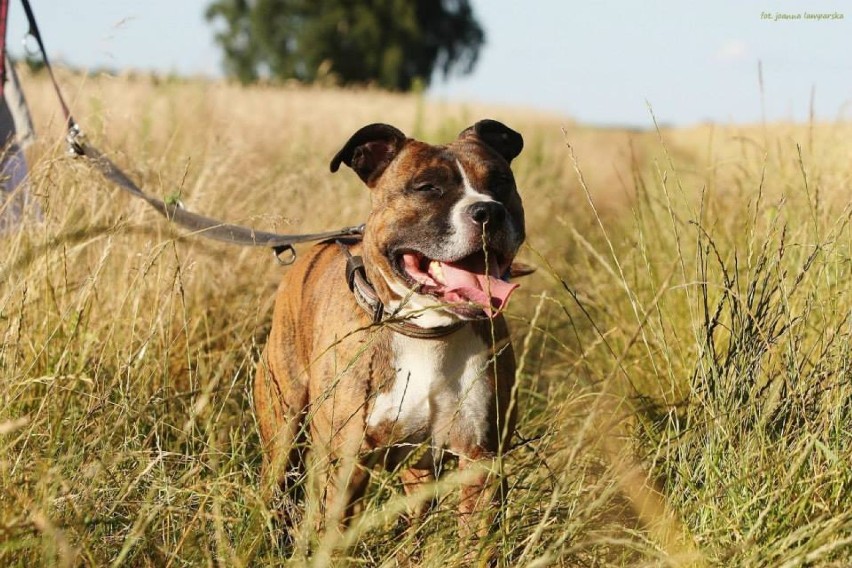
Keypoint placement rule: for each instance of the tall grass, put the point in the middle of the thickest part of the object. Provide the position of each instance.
(684, 350)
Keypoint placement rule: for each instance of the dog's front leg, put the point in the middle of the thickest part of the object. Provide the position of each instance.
(414, 483)
(479, 504)
(343, 474)
(342, 486)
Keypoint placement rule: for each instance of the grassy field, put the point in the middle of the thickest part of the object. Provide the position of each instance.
(684, 347)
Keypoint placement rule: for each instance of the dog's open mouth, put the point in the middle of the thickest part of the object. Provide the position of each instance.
(473, 281)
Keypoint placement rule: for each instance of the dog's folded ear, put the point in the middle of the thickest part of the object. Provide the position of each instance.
(369, 151)
(498, 136)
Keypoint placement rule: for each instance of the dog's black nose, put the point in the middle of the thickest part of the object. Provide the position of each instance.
(490, 212)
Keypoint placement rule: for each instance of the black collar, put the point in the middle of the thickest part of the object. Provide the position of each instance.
(365, 296)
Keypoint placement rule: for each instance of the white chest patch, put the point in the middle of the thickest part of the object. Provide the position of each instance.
(440, 388)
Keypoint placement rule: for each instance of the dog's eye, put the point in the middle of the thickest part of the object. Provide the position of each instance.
(427, 188)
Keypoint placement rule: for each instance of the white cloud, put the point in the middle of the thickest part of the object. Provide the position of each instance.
(732, 50)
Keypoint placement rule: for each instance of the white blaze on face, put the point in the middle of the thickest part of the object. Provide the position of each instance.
(465, 229)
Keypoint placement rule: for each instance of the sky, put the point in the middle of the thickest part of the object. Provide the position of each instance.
(601, 62)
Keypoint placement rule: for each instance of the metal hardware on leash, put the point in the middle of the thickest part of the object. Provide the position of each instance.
(73, 138)
(278, 252)
(353, 231)
(29, 49)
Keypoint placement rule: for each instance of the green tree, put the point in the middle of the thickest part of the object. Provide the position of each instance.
(393, 43)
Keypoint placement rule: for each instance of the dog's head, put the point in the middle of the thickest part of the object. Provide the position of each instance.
(446, 221)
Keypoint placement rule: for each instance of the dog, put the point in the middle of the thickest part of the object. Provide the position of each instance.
(396, 342)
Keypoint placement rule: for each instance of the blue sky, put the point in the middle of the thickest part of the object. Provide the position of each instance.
(598, 61)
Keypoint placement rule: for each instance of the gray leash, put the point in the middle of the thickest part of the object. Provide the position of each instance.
(199, 224)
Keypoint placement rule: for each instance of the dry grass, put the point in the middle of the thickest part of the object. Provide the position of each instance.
(684, 348)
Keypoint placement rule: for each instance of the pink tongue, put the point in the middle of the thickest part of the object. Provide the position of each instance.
(466, 282)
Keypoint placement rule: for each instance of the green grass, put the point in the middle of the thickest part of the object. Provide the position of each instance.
(684, 348)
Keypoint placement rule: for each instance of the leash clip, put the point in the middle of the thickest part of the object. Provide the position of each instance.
(74, 139)
(285, 255)
(30, 49)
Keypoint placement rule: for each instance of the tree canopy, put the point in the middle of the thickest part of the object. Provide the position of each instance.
(392, 43)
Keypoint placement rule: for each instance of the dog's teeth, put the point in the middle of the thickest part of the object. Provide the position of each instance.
(436, 271)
